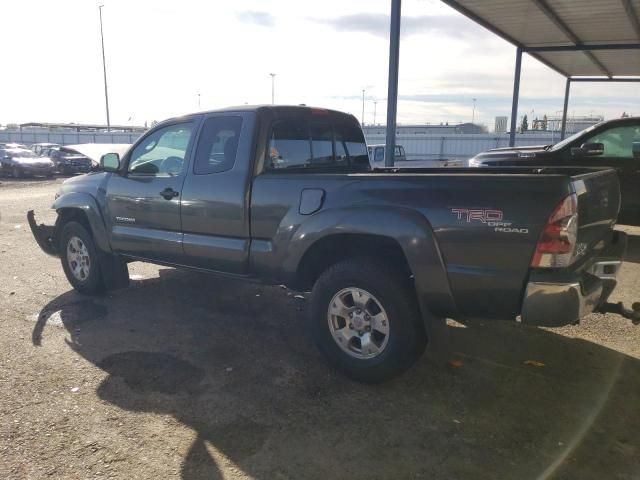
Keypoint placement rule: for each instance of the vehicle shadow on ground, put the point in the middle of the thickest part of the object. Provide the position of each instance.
(233, 362)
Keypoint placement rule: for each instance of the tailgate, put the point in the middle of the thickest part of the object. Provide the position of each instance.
(598, 206)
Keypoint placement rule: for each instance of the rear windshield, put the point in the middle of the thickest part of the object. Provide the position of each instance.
(302, 145)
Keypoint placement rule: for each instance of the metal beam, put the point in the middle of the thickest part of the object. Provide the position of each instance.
(516, 97)
(606, 79)
(565, 109)
(392, 94)
(633, 16)
(582, 47)
(564, 28)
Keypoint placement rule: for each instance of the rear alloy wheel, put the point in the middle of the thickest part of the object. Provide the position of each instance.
(358, 323)
(79, 258)
(365, 320)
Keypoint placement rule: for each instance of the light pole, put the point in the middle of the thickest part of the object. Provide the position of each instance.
(198, 101)
(104, 70)
(375, 108)
(473, 113)
(273, 88)
(362, 118)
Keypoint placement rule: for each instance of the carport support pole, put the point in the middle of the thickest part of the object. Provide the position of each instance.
(516, 96)
(392, 93)
(567, 88)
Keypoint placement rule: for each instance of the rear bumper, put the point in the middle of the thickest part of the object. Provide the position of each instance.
(564, 298)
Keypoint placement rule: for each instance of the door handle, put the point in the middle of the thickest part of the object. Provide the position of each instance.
(169, 193)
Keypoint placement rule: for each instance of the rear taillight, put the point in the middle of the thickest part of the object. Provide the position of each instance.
(557, 242)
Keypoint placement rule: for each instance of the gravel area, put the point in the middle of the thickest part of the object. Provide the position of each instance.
(188, 376)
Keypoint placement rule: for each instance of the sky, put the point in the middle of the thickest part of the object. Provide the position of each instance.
(167, 58)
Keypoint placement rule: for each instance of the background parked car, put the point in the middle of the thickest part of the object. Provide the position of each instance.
(19, 162)
(68, 161)
(39, 148)
(12, 145)
(614, 143)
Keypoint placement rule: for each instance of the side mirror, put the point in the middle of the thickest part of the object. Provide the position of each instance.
(110, 162)
(588, 150)
(635, 148)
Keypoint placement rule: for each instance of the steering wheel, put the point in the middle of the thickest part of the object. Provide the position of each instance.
(172, 165)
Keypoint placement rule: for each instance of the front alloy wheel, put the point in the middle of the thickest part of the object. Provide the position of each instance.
(78, 258)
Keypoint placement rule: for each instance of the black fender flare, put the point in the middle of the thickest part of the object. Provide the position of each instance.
(87, 204)
(409, 228)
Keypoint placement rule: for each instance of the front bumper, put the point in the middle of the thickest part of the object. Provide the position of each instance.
(72, 167)
(563, 298)
(44, 235)
(36, 170)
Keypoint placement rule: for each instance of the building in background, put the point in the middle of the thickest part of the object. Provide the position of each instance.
(427, 129)
(574, 124)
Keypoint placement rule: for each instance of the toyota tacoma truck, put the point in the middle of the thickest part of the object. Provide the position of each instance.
(286, 195)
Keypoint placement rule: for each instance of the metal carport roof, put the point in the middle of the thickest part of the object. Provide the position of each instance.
(550, 30)
(583, 40)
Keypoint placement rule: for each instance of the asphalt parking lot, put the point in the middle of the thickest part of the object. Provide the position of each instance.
(188, 376)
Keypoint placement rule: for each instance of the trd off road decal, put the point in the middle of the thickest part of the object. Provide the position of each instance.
(488, 217)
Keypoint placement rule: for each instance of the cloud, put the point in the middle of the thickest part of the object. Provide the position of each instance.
(263, 19)
(377, 24)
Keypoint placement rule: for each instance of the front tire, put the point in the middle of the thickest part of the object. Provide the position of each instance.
(79, 257)
(365, 320)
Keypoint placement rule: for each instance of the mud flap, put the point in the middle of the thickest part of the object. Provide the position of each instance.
(115, 272)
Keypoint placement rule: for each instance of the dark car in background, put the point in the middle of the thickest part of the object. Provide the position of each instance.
(614, 144)
(68, 161)
(19, 162)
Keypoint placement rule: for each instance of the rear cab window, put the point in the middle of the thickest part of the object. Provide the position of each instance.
(314, 146)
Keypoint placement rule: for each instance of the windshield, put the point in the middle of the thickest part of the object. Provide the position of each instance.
(69, 153)
(573, 137)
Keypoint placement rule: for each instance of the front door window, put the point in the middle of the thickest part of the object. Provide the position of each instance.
(163, 152)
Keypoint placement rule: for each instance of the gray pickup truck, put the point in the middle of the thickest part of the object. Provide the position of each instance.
(286, 195)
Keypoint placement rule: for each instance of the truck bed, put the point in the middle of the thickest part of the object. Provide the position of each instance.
(486, 260)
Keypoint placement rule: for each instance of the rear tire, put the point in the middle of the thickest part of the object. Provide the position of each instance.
(395, 346)
(79, 257)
